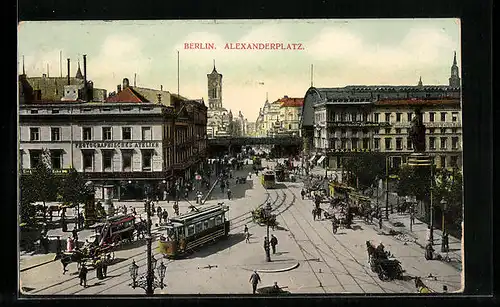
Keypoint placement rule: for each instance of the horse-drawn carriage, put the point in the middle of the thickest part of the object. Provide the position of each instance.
(241, 180)
(87, 255)
(259, 217)
(387, 269)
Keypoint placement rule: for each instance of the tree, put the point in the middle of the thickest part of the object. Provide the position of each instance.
(449, 187)
(366, 167)
(27, 209)
(42, 182)
(414, 181)
(73, 190)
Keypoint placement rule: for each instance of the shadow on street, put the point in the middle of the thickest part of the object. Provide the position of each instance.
(218, 246)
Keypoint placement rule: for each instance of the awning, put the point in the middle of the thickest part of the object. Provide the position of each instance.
(321, 159)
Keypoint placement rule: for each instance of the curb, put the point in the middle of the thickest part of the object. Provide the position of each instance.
(36, 265)
(278, 270)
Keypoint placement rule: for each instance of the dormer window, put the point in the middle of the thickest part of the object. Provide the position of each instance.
(55, 111)
(34, 111)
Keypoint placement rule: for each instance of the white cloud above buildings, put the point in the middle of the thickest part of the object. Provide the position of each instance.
(342, 54)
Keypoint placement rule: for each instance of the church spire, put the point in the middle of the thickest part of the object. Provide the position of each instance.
(79, 74)
(420, 81)
(455, 58)
(454, 80)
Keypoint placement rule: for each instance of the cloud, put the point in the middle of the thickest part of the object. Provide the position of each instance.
(121, 56)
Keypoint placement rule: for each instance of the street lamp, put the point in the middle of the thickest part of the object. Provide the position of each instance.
(443, 229)
(267, 216)
(148, 281)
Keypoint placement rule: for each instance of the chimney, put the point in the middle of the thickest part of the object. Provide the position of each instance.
(85, 88)
(69, 83)
(161, 87)
(118, 88)
(125, 83)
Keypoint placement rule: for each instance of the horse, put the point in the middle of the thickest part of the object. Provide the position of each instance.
(75, 256)
(140, 228)
(371, 250)
(316, 213)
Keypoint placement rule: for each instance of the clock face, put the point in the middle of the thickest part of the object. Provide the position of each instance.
(215, 83)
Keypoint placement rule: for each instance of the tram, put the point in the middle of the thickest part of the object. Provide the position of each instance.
(268, 179)
(191, 230)
(115, 229)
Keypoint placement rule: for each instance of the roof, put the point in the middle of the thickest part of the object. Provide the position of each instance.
(127, 95)
(202, 211)
(52, 88)
(291, 102)
(416, 102)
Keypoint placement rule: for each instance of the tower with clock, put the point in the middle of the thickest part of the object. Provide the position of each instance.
(214, 89)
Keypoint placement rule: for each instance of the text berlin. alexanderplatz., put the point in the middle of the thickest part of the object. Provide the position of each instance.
(246, 46)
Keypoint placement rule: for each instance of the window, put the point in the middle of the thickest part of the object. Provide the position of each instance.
(443, 161)
(454, 142)
(88, 160)
(431, 130)
(106, 133)
(431, 116)
(106, 109)
(35, 158)
(146, 133)
(354, 143)
(387, 117)
(410, 116)
(218, 220)
(56, 159)
(409, 144)
(55, 111)
(127, 109)
(126, 160)
(205, 225)
(211, 222)
(443, 116)
(454, 116)
(147, 109)
(376, 143)
(365, 143)
(190, 230)
(453, 130)
(55, 134)
(86, 110)
(398, 130)
(34, 111)
(107, 160)
(34, 134)
(432, 143)
(126, 133)
(376, 117)
(343, 144)
(388, 143)
(147, 159)
(343, 133)
(87, 133)
(387, 130)
(198, 228)
(443, 143)
(454, 161)
(399, 142)
(398, 117)
(376, 131)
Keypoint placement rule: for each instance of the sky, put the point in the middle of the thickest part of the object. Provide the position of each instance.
(342, 52)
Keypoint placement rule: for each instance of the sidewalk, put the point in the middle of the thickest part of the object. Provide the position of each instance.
(419, 236)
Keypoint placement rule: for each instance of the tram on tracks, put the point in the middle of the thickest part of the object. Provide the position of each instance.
(191, 230)
(115, 229)
(268, 179)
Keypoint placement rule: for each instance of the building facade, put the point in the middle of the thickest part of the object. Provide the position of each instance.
(289, 116)
(127, 142)
(339, 121)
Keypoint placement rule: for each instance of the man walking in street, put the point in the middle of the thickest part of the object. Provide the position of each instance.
(245, 230)
(247, 237)
(83, 276)
(228, 194)
(302, 193)
(254, 280)
(274, 242)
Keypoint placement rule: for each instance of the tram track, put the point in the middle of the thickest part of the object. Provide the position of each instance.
(332, 251)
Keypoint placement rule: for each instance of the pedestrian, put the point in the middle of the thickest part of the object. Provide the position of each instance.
(246, 229)
(247, 237)
(254, 280)
(446, 242)
(83, 276)
(158, 213)
(274, 242)
(58, 245)
(428, 234)
(165, 215)
(69, 244)
(229, 194)
(445, 289)
(44, 240)
(380, 220)
(302, 193)
(98, 268)
(105, 261)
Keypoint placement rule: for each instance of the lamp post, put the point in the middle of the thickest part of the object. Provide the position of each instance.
(443, 229)
(387, 188)
(267, 214)
(148, 281)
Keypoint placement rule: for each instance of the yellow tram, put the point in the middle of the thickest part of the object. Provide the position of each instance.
(268, 179)
(191, 230)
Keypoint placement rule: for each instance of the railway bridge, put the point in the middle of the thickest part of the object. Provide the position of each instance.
(281, 145)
